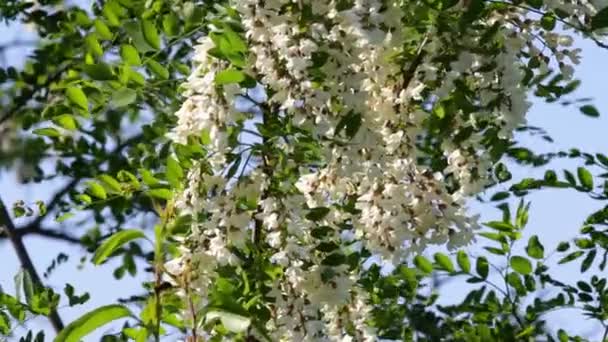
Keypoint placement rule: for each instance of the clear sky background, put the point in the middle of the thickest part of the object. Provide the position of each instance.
(555, 215)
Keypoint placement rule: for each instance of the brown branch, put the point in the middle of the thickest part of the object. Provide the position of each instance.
(47, 233)
(24, 258)
(411, 70)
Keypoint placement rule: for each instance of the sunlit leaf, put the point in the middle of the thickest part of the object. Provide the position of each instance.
(114, 242)
(91, 321)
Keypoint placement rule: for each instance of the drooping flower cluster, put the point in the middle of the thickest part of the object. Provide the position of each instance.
(404, 136)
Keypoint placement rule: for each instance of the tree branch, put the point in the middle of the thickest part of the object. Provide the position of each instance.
(24, 258)
(48, 233)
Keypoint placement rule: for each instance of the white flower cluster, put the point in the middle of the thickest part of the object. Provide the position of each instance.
(206, 110)
(399, 205)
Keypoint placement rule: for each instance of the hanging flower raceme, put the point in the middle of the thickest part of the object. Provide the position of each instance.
(370, 143)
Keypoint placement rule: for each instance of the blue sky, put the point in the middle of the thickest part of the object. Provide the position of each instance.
(555, 215)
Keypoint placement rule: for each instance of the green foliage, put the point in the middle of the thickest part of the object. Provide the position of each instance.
(98, 95)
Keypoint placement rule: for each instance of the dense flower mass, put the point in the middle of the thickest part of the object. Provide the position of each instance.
(399, 135)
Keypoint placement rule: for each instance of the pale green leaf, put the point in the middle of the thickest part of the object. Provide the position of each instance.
(111, 183)
(47, 132)
(165, 194)
(423, 264)
(114, 242)
(102, 30)
(130, 55)
(232, 322)
(585, 178)
(91, 321)
(66, 121)
(229, 76)
(77, 97)
(96, 190)
(463, 261)
(444, 262)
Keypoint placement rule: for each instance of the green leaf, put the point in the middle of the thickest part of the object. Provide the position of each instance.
(148, 177)
(463, 261)
(47, 132)
(18, 281)
(165, 194)
(600, 19)
(110, 11)
(500, 226)
(499, 196)
(28, 286)
(482, 267)
(535, 249)
(157, 69)
(175, 173)
(350, 123)
(588, 261)
(521, 217)
(129, 55)
(5, 324)
(123, 97)
(528, 331)
(232, 322)
(65, 217)
(128, 177)
(570, 177)
(584, 286)
(520, 264)
(111, 183)
(150, 34)
(229, 76)
(550, 177)
(563, 246)
(77, 97)
(90, 321)
(334, 259)
(74, 299)
(133, 29)
(423, 264)
(66, 121)
(317, 214)
(548, 21)
(237, 44)
(171, 24)
(102, 30)
(444, 262)
(585, 178)
(495, 250)
(590, 110)
(99, 71)
(570, 257)
(96, 190)
(93, 45)
(114, 242)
